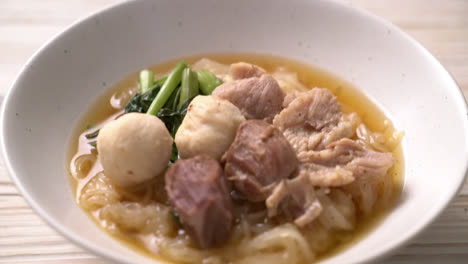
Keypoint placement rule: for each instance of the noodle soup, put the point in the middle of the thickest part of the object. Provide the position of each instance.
(145, 218)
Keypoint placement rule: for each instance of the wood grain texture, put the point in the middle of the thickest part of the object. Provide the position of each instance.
(440, 25)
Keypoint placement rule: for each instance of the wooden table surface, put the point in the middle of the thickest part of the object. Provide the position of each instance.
(440, 25)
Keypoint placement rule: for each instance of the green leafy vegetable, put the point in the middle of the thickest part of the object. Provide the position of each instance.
(176, 218)
(169, 86)
(173, 100)
(141, 102)
(174, 155)
(169, 97)
(208, 81)
(189, 86)
(173, 119)
(146, 80)
(92, 134)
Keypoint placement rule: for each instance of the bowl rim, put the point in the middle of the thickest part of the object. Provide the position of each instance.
(391, 247)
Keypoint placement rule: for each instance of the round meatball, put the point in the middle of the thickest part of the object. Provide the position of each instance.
(258, 159)
(208, 128)
(134, 148)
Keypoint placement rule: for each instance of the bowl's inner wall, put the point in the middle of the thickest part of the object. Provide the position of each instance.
(68, 74)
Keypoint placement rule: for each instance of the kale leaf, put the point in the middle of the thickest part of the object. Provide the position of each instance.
(141, 102)
(173, 119)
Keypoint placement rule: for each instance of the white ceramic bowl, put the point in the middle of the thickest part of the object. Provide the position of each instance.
(59, 82)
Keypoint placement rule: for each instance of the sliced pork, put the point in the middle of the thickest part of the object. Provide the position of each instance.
(258, 158)
(296, 200)
(322, 176)
(197, 189)
(319, 132)
(345, 128)
(339, 211)
(242, 70)
(356, 157)
(312, 120)
(257, 97)
(343, 161)
(310, 111)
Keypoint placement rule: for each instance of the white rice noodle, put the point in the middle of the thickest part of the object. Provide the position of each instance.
(120, 99)
(320, 238)
(288, 81)
(219, 69)
(134, 217)
(285, 238)
(338, 211)
(97, 192)
(363, 194)
(267, 258)
(180, 251)
(369, 139)
(82, 165)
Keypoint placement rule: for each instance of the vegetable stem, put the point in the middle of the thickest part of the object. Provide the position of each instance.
(161, 81)
(173, 99)
(146, 80)
(189, 86)
(173, 80)
(208, 81)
